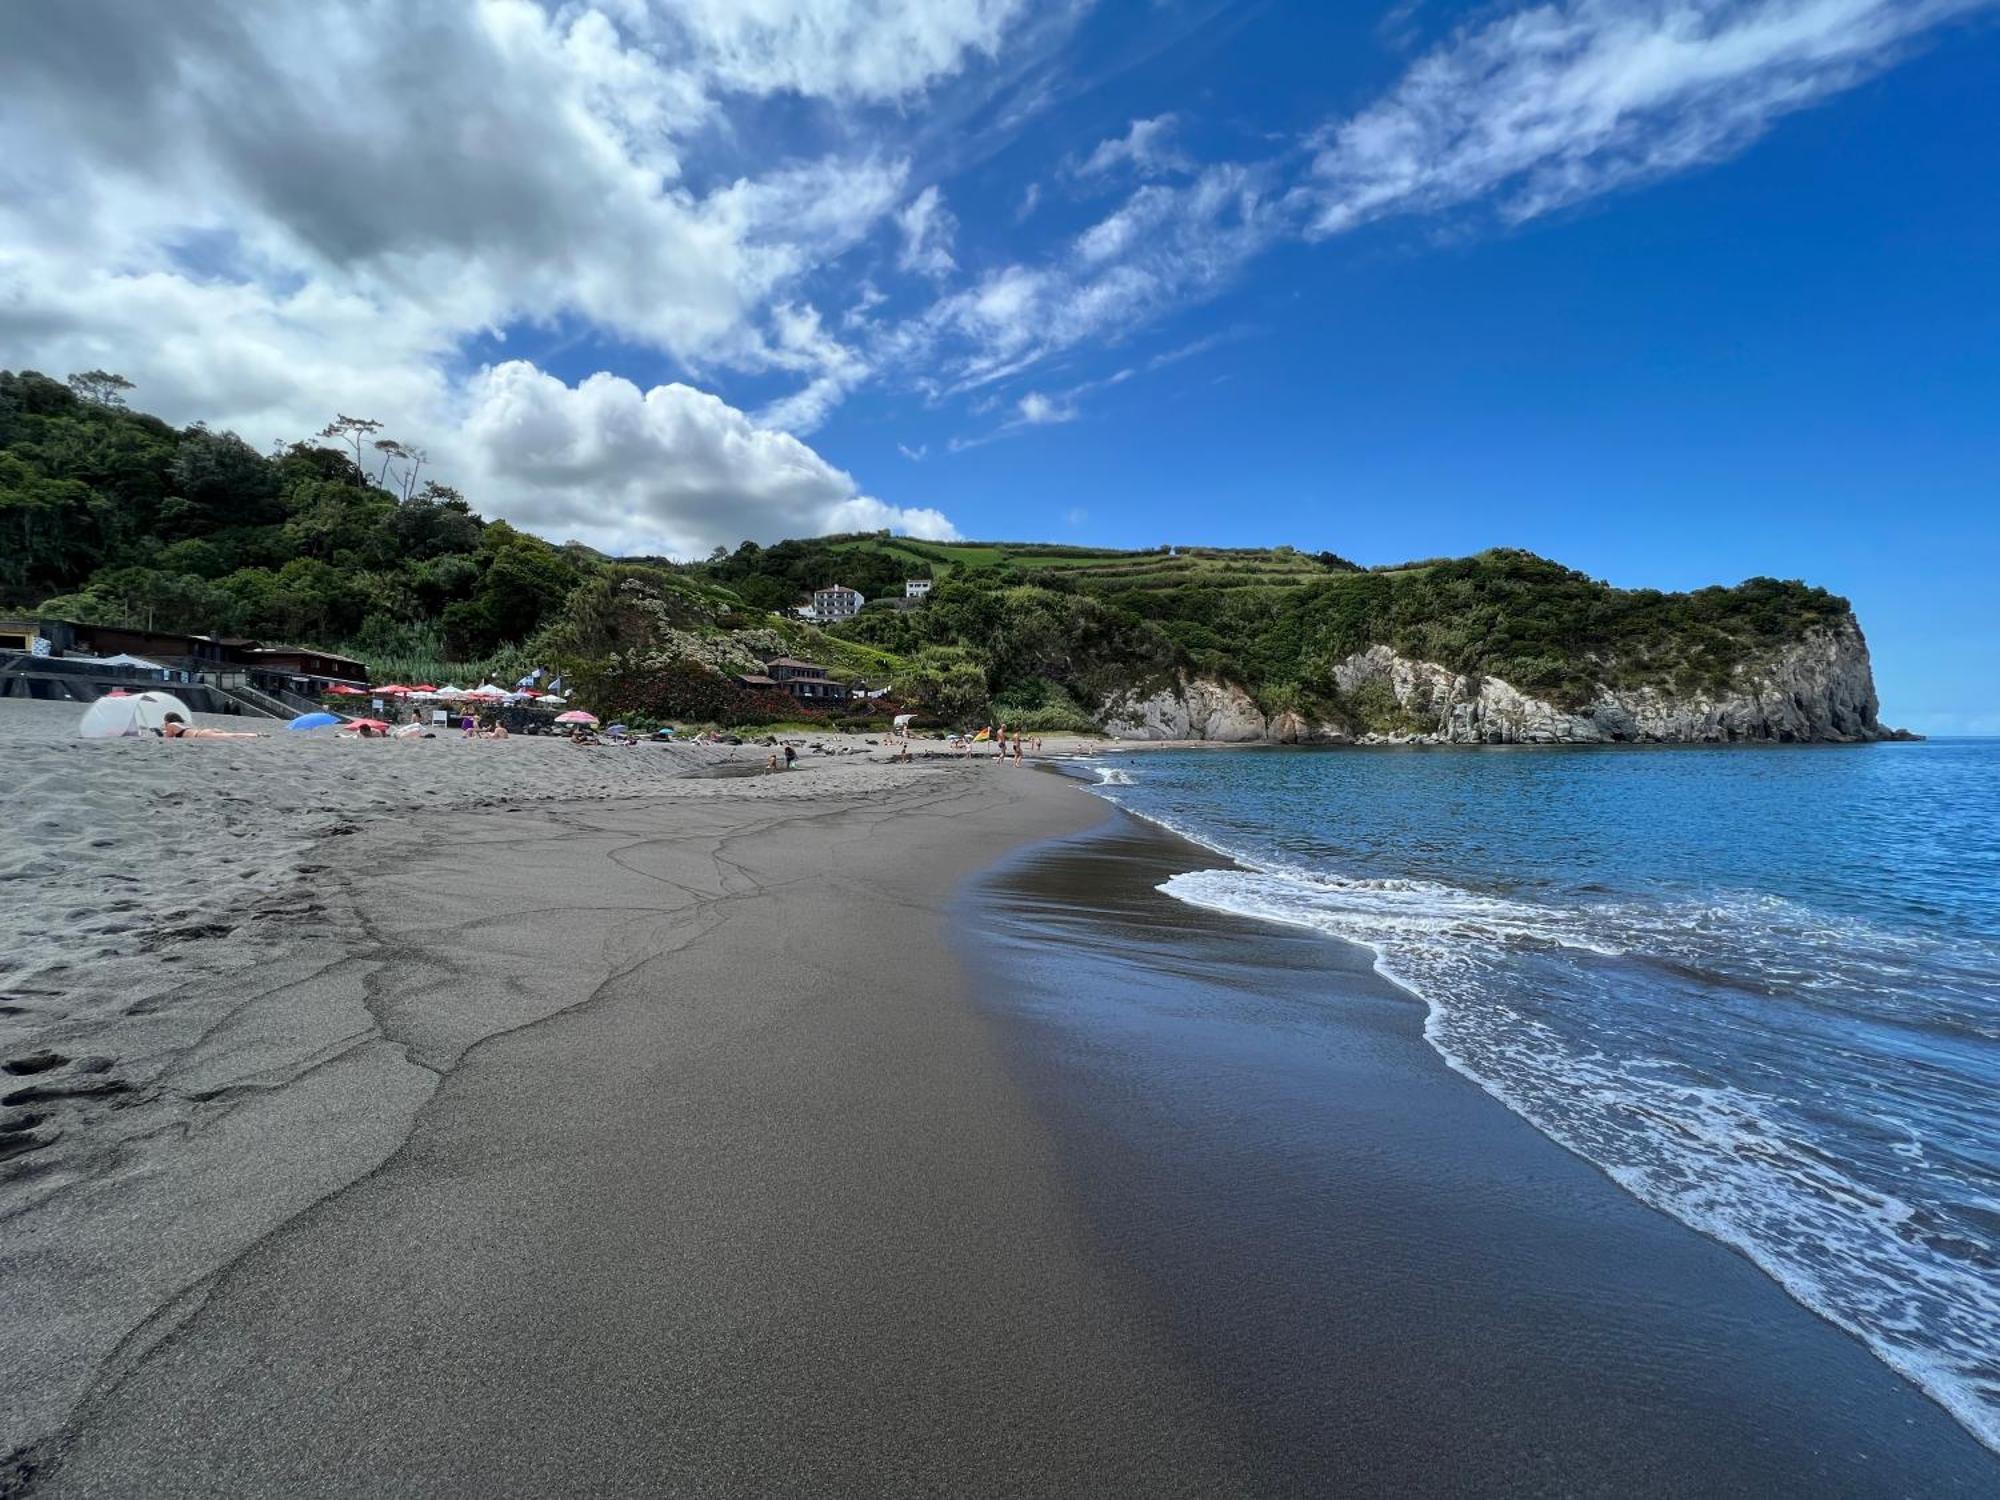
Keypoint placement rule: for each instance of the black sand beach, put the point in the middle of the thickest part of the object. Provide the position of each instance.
(757, 1209)
(1399, 1286)
(716, 1136)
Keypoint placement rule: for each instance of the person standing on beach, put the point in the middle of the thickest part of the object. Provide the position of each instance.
(790, 756)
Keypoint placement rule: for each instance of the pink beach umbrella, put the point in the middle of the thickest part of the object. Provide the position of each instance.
(576, 716)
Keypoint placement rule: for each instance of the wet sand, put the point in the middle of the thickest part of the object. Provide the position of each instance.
(1399, 1286)
(684, 1167)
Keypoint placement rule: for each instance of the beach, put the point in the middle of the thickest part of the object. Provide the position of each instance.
(462, 1117)
(549, 1119)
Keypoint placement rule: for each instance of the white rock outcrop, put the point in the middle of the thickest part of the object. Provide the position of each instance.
(1198, 708)
(1817, 688)
(1820, 687)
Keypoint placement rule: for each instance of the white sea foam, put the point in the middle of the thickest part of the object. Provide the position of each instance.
(1610, 1027)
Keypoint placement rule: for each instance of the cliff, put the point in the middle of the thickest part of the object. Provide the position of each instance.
(1819, 688)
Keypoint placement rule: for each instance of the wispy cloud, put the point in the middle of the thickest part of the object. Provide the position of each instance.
(1529, 112)
(928, 229)
(1145, 147)
(1549, 106)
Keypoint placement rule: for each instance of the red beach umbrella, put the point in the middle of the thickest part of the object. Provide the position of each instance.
(576, 716)
(375, 724)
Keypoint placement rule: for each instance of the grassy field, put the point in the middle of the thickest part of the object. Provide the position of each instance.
(1155, 567)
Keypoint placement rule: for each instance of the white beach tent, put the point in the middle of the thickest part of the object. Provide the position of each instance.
(119, 714)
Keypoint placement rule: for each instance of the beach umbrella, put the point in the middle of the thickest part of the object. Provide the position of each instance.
(117, 715)
(375, 724)
(554, 698)
(903, 720)
(576, 716)
(314, 721)
(422, 687)
(616, 729)
(340, 690)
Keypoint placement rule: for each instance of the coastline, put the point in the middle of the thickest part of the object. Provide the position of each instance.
(598, 1147)
(1403, 1285)
(864, 1127)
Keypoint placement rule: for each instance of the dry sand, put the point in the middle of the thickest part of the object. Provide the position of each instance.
(457, 1117)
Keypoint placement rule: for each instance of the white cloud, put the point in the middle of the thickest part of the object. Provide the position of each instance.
(671, 470)
(1162, 248)
(1558, 103)
(883, 50)
(291, 211)
(1038, 410)
(1031, 199)
(915, 455)
(1144, 147)
(295, 210)
(927, 227)
(1539, 108)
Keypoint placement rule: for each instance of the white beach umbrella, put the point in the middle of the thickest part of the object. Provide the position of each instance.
(117, 715)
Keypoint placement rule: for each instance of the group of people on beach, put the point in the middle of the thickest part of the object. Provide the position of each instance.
(1020, 745)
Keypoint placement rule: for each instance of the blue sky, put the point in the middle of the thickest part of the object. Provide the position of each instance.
(1673, 293)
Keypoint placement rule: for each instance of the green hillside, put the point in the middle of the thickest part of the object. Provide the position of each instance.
(111, 515)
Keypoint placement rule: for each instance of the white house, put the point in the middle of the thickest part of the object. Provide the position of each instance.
(837, 602)
(916, 588)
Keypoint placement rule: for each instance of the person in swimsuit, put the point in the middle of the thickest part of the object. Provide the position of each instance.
(177, 728)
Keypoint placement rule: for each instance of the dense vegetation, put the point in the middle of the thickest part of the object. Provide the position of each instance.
(336, 540)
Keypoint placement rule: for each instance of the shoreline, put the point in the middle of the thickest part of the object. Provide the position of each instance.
(1253, 1117)
(622, 1144)
(689, 1129)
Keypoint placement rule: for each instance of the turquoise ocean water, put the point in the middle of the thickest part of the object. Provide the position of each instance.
(1760, 988)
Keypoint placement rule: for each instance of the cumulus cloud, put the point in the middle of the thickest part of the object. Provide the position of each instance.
(669, 470)
(1038, 410)
(293, 210)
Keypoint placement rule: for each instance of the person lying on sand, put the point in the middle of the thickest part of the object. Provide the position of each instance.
(177, 728)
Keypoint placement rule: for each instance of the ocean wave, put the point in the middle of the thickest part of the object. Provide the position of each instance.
(1643, 1036)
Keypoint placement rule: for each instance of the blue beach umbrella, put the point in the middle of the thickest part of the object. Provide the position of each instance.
(313, 721)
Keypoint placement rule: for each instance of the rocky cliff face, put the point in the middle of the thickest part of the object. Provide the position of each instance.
(1818, 688)
(1199, 708)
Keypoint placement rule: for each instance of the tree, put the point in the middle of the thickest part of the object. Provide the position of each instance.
(353, 431)
(100, 387)
(411, 459)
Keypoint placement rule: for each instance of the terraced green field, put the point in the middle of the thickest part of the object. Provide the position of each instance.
(1153, 568)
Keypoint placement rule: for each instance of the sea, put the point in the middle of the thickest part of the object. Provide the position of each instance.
(1759, 988)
